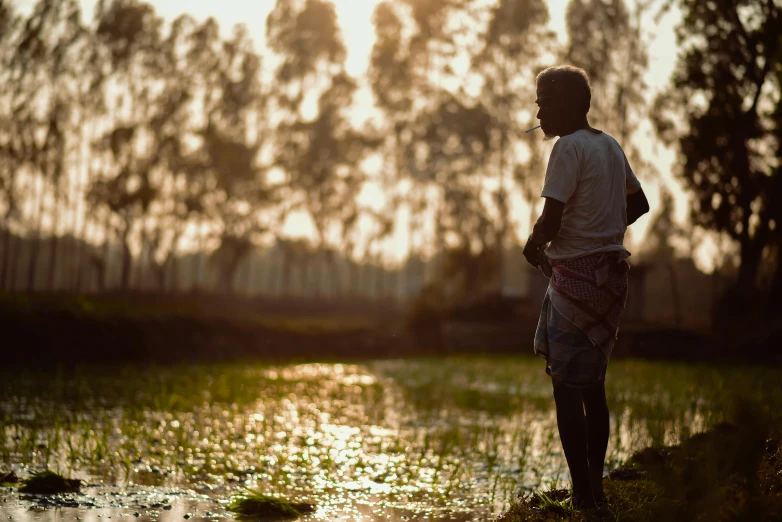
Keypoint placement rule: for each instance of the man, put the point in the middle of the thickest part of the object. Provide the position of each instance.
(592, 195)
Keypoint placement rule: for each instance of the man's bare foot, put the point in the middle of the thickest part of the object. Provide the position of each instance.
(583, 500)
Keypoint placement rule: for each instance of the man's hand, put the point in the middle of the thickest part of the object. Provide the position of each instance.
(545, 230)
(532, 252)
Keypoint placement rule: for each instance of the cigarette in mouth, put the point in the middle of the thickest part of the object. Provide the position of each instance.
(533, 128)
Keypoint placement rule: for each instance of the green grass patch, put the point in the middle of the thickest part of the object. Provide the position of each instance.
(8, 479)
(254, 504)
(729, 473)
(49, 483)
(553, 502)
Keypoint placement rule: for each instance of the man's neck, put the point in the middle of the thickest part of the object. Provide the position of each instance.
(581, 124)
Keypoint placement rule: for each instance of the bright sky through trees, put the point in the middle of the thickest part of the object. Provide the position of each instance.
(355, 18)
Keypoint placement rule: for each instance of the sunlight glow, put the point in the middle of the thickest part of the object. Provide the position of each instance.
(355, 18)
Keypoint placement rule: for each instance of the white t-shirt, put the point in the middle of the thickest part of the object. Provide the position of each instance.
(590, 173)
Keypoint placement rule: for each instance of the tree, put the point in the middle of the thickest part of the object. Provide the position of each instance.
(405, 74)
(454, 142)
(321, 154)
(46, 48)
(606, 39)
(129, 33)
(716, 112)
(237, 197)
(10, 159)
(775, 198)
(514, 40)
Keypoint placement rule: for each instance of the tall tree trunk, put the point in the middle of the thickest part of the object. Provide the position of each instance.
(80, 236)
(775, 293)
(16, 253)
(171, 285)
(252, 263)
(105, 274)
(675, 297)
(54, 241)
(751, 251)
(32, 267)
(273, 277)
(502, 195)
(143, 256)
(287, 276)
(353, 267)
(7, 245)
(127, 264)
(317, 268)
(51, 283)
(199, 256)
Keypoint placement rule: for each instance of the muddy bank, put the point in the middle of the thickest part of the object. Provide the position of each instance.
(56, 329)
(172, 339)
(730, 473)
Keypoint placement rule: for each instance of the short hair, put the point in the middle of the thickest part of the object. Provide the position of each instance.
(569, 80)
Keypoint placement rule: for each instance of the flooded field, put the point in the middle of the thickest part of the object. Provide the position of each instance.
(435, 439)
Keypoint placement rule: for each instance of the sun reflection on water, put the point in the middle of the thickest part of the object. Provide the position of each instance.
(441, 438)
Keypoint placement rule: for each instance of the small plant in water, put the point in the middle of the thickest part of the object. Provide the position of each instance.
(49, 482)
(8, 479)
(254, 504)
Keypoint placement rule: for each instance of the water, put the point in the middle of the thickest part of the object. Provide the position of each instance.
(436, 439)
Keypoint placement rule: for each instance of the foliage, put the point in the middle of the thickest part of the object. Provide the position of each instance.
(254, 504)
(137, 136)
(49, 482)
(724, 125)
(729, 473)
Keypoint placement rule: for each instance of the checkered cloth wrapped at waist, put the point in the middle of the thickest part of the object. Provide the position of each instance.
(591, 292)
(580, 316)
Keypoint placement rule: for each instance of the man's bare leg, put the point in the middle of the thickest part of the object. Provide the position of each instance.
(598, 428)
(573, 434)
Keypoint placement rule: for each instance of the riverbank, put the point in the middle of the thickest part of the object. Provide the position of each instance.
(732, 472)
(64, 329)
(167, 329)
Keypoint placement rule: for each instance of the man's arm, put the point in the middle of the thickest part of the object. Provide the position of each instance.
(545, 229)
(637, 206)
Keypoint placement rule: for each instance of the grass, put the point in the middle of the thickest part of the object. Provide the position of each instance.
(49, 483)
(428, 432)
(8, 479)
(167, 329)
(254, 504)
(729, 473)
(556, 501)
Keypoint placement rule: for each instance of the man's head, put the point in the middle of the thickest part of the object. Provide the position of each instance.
(563, 95)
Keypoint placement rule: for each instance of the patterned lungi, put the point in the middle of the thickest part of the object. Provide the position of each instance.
(579, 320)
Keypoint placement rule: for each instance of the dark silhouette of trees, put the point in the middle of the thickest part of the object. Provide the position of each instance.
(454, 145)
(722, 114)
(515, 39)
(320, 155)
(130, 35)
(232, 138)
(137, 154)
(606, 39)
(410, 63)
(41, 75)
(10, 148)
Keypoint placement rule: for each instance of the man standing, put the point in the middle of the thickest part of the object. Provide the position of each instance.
(592, 195)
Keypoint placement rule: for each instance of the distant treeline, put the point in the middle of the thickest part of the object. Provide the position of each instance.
(284, 269)
(126, 140)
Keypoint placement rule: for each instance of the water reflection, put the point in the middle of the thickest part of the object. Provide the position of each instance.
(441, 439)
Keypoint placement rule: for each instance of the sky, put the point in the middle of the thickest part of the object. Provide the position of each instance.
(355, 17)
